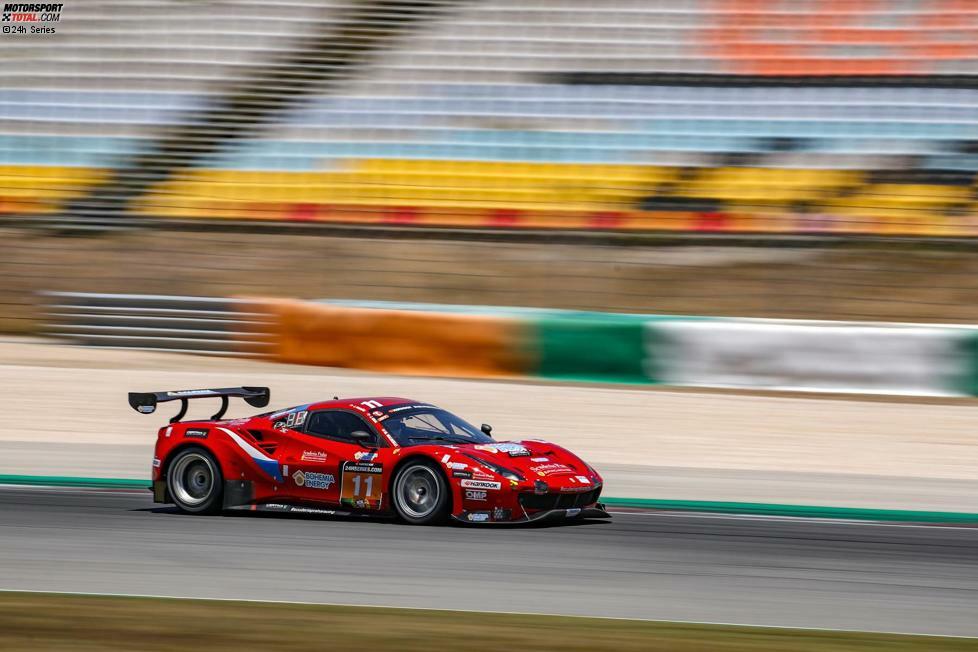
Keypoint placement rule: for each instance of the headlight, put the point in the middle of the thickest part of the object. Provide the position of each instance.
(594, 474)
(501, 470)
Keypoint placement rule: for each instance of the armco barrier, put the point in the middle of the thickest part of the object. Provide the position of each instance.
(214, 326)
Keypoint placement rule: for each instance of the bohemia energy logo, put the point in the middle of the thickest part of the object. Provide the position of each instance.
(31, 12)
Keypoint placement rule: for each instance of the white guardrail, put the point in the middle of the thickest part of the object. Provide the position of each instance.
(848, 357)
(214, 326)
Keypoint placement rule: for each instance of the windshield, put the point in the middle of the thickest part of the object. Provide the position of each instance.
(419, 425)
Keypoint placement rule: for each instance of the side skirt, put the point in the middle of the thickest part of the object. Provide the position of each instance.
(239, 496)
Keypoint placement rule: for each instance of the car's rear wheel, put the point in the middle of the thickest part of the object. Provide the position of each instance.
(421, 495)
(195, 483)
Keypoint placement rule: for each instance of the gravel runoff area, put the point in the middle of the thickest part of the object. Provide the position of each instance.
(65, 413)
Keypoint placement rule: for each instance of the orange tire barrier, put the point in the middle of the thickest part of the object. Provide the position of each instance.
(398, 341)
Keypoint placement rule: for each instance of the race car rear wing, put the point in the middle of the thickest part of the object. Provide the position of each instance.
(145, 402)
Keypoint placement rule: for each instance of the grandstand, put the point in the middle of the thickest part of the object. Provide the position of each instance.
(691, 115)
(77, 103)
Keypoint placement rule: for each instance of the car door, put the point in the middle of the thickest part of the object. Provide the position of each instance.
(309, 467)
(329, 465)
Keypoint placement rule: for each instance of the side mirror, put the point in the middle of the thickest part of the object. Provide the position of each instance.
(486, 428)
(361, 437)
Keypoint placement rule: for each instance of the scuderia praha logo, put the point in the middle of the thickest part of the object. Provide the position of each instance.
(28, 17)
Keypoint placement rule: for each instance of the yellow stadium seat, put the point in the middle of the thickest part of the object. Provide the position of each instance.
(766, 185)
(422, 183)
(904, 202)
(42, 189)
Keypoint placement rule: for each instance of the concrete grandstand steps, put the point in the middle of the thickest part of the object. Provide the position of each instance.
(564, 28)
(192, 40)
(566, 13)
(964, 162)
(483, 67)
(77, 73)
(822, 160)
(385, 75)
(122, 81)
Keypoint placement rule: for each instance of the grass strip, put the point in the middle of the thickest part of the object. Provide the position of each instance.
(47, 621)
(715, 507)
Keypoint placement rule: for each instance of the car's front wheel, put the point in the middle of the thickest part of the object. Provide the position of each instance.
(195, 482)
(421, 495)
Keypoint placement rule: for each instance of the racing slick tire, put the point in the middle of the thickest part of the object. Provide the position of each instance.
(421, 493)
(194, 481)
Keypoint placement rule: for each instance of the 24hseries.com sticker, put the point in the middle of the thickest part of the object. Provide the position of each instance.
(362, 485)
(25, 18)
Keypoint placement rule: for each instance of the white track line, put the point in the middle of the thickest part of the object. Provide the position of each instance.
(504, 613)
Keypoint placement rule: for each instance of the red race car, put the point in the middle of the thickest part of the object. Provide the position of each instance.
(383, 455)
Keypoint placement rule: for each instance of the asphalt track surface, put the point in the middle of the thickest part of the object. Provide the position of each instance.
(799, 573)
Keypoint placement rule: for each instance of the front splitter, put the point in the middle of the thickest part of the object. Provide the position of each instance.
(484, 518)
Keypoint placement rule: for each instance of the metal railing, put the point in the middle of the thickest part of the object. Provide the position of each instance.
(214, 326)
